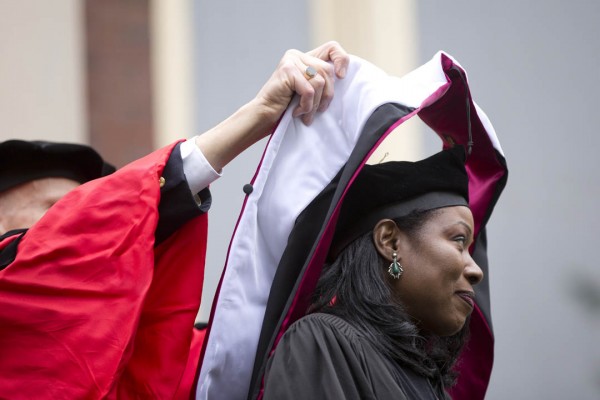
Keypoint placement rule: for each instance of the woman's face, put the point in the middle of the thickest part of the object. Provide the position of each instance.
(437, 284)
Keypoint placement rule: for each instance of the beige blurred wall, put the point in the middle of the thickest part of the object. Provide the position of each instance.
(42, 92)
(43, 78)
(172, 69)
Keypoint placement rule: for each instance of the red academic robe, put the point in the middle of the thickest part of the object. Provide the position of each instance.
(90, 308)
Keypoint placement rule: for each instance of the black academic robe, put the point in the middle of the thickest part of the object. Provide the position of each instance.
(322, 356)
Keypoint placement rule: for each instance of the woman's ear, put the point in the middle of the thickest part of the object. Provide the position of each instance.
(386, 237)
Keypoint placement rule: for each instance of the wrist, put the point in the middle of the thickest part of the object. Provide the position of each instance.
(267, 113)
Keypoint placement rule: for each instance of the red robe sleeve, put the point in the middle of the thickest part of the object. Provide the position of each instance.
(90, 308)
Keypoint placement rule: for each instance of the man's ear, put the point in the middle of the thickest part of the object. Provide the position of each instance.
(386, 237)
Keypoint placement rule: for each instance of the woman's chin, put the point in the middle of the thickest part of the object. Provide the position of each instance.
(449, 328)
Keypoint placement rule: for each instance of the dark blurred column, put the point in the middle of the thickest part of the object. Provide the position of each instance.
(119, 91)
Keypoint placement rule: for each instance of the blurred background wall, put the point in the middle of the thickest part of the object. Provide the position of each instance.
(129, 76)
(41, 61)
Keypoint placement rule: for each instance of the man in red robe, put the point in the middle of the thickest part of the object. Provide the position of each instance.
(98, 296)
(100, 283)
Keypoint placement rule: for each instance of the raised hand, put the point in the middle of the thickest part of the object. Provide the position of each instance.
(310, 75)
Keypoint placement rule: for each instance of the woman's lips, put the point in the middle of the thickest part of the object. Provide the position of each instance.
(467, 297)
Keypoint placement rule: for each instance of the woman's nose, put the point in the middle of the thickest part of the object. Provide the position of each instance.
(472, 271)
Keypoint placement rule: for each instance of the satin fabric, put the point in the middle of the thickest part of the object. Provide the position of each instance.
(89, 308)
(297, 165)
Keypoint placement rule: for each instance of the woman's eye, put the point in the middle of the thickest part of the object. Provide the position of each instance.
(461, 239)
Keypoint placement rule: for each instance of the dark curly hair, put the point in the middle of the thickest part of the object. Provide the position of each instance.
(355, 288)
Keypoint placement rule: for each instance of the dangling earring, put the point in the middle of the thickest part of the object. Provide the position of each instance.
(395, 268)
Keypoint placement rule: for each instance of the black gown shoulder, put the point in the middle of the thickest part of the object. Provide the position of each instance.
(321, 356)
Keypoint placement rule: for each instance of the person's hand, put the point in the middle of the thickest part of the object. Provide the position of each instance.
(293, 75)
(255, 120)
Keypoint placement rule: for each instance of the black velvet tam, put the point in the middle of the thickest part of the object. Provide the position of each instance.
(22, 161)
(397, 188)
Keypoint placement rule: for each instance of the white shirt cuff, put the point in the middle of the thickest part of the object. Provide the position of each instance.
(198, 171)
